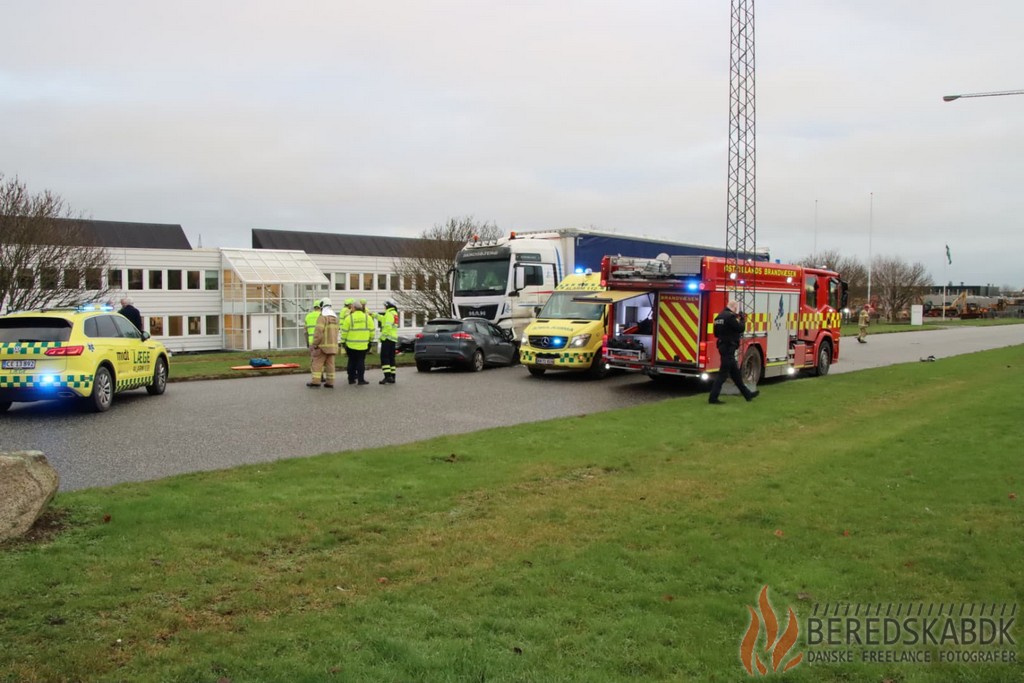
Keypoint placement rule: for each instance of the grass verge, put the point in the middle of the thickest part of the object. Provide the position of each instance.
(218, 365)
(614, 547)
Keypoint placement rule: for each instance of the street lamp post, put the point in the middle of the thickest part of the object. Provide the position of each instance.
(950, 98)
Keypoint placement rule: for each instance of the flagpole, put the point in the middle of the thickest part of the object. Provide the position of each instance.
(871, 221)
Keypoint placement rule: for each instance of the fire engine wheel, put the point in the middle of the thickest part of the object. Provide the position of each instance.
(751, 367)
(824, 359)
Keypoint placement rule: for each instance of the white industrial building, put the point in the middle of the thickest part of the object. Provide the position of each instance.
(244, 299)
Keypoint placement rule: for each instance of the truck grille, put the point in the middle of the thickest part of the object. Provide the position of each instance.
(489, 311)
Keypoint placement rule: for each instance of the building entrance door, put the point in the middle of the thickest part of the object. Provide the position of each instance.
(261, 333)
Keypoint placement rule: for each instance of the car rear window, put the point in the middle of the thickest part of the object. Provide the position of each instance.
(442, 326)
(34, 329)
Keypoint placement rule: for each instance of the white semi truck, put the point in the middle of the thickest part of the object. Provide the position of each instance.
(509, 279)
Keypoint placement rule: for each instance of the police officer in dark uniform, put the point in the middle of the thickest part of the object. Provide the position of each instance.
(729, 328)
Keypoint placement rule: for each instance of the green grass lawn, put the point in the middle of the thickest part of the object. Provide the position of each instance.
(218, 365)
(623, 546)
(882, 327)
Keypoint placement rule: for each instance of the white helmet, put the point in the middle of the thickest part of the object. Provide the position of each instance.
(325, 302)
(388, 303)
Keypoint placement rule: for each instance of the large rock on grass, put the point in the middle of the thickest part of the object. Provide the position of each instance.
(27, 485)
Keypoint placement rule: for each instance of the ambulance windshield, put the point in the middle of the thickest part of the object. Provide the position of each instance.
(562, 307)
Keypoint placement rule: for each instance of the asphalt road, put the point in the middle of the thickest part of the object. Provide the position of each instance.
(216, 424)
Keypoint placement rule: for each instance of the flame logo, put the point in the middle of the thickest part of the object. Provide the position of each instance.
(776, 646)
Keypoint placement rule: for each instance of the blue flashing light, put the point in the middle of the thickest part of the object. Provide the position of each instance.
(692, 285)
(557, 342)
(48, 380)
(579, 270)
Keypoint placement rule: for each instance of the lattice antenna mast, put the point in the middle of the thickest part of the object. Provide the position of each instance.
(741, 219)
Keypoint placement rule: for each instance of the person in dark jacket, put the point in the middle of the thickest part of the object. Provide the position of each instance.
(129, 311)
(729, 327)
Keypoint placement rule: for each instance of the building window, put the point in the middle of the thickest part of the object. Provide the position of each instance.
(353, 281)
(195, 324)
(340, 282)
(174, 326)
(156, 326)
(368, 282)
(173, 279)
(115, 278)
(194, 279)
(72, 278)
(382, 282)
(47, 278)
(421, 282)
(394, 281)
(26, 278)
(93, 278)
(134, 278)
(156, 279)
(212, 280)
(407, 283)
(212, 324)
(432, 282)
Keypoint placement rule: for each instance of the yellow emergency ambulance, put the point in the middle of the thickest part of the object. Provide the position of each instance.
(89, 353)
(567, 334)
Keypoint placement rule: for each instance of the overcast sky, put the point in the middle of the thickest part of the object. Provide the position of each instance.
(387, 116)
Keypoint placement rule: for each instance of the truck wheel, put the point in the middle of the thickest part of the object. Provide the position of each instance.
(750, 368)
(536, 372)
(824, 359)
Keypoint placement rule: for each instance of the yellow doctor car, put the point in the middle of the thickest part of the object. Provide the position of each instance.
(87, 353)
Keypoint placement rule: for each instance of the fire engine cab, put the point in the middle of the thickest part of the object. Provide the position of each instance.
(662, 312)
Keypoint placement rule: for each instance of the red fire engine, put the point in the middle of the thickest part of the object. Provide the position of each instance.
(662, 312)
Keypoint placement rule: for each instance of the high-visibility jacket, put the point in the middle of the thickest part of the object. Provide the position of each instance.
(388, 324)
(325, 335)
(311, 325)
(357, 330)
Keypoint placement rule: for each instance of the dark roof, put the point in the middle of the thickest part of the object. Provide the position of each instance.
(331, 243)
(118, 235)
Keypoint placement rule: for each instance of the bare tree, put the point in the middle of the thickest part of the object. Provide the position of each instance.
(853, 272)
(46, 259)
(897, 283)
(425, 271)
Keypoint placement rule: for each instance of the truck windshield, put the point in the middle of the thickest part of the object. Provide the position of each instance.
(561, 307)
(476, 278)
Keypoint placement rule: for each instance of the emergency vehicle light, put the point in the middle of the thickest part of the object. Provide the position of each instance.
(579, 270)
(65, 351)
(692, 285)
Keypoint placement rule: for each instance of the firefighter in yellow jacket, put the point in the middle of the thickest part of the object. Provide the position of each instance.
(388, 340)
(325, 346)
(356, 332)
